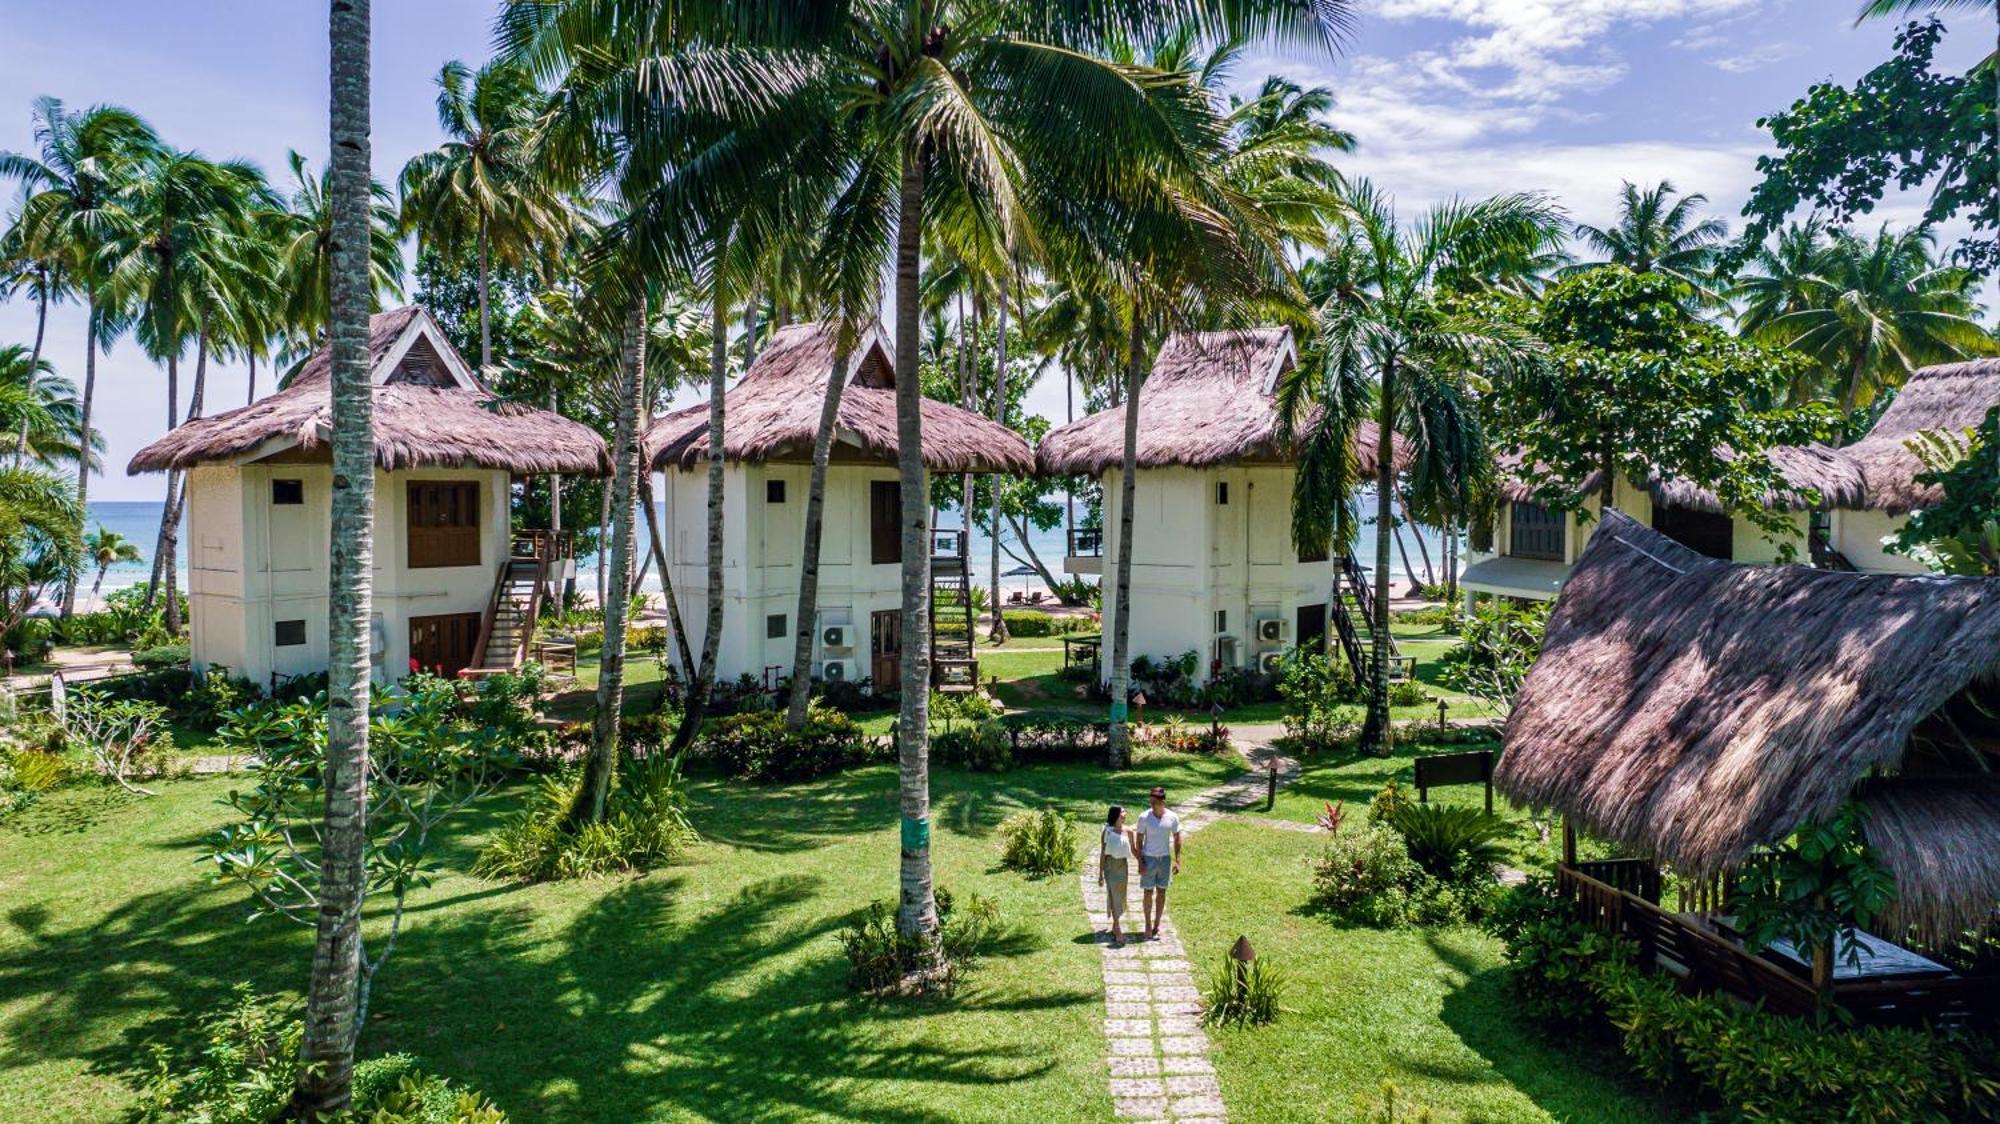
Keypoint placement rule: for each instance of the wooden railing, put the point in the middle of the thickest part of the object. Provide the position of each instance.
(1086, 542)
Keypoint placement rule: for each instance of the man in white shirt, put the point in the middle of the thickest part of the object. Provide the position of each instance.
(1159, 858)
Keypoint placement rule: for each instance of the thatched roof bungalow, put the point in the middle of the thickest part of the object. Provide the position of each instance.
(1694, 711)
(431, 411)
(449, 580)
(772, 414)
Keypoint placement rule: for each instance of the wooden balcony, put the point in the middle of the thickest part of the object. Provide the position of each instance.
(1699, 950)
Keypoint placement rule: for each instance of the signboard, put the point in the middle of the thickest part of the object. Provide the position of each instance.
(1475, 767)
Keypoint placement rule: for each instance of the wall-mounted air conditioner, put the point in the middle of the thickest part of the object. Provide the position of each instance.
(1271, 630)
(834, 671)
(1269, 662)
(834, 636)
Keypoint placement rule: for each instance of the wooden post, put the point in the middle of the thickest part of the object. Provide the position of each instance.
(1569, 842)
(1270, 790)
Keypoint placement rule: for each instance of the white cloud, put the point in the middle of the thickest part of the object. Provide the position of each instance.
(1753, 58)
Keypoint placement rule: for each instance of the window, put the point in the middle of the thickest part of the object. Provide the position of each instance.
(1222, 491)
(443, 523)
(288, 492)
(289, 634)
(774, 491)
(1535, 531)
(774, 626)
(885, 522)
(1704, 532)
(1222, 620)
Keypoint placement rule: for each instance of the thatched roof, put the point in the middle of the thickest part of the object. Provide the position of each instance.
(430, 411)
(1211, 399)
(1694, 710)
(772, 413)
(1876, 472)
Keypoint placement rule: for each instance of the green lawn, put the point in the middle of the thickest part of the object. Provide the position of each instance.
(1423, 1010)
(710, 990)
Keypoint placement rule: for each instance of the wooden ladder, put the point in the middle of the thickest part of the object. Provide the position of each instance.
(954, 667)
(1353, 606)
(508, 623)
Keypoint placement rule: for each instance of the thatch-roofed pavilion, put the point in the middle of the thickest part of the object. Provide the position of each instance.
(1843, 501)
(446, 449)
(1695, 711)
(1214, 568)
(772, 415)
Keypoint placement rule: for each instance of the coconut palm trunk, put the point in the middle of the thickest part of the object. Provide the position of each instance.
(332, 997)
(966, 401)
(1376, 736)
(170, 527)
(997, 631)
(485, 295)
(711, 638)
(802, 641)
(595, 790)
(916, 910)
(160, 559)
(1118, 746)
(83, 458)
(666, 574)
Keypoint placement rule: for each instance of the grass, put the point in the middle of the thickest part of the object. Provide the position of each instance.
(1423, 1010)
(710, 990)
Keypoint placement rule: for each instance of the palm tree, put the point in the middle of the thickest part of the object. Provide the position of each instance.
(998, 110)
(75, 187)
(479, 186)
(1869, 311)
(35, 271)
(301, 236)
(326, 1081)
(38, 538)
(1658, 233)
(41, 409)
(1388, 317)
(106, 549)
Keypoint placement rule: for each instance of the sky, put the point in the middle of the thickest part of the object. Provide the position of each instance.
(1446, 97)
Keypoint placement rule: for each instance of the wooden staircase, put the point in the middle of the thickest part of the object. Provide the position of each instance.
(523, 583)
(954, 666)
(1353, 605)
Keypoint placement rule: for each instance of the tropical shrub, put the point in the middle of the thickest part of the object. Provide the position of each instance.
(981, 747)
(645, 826)
(1168, 682)
(238, 1065)
(1178, 735)
(1037, 738)
(1550, 954)
(1816, 888)
(1029, 622)
(756, 746)
(30, 770)
(1444, 839)
(1499, 643)
(163, 655)
(92, 628)
(967, 706)
(212, 695)
(852, 695)
(1319, 695)
(123, 737)
(1038, 843)
(1429, 614)
(1242, 993)
(1407, 692)
(30, 640)
(882, 961)
(1393, 798)
(1365, 877)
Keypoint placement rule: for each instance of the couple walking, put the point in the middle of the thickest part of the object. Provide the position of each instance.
(1156, 844)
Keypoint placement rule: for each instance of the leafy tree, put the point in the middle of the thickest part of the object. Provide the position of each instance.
(1396, 343)
(1902, 125)
(1658, 233)
(1869, 312)
(1961, 533)
(1639, 387)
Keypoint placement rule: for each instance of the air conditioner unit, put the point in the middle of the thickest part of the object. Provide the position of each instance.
(1271, 630)
(834, 671)
(1269, 662)
(834, 636)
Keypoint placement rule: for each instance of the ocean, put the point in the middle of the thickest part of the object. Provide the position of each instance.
(139, 521)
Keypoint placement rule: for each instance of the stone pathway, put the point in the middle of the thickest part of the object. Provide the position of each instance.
(1157, 1052)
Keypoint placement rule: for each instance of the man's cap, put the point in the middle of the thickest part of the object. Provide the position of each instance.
(1159, 792)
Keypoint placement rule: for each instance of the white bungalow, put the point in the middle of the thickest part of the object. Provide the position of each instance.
(772, 415)
(1867, 491)
(1214, 570)
(451, 580)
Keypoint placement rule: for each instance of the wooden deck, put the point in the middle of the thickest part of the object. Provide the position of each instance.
(1622, 896)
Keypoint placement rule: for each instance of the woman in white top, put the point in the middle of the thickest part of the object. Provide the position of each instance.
(1114, 855)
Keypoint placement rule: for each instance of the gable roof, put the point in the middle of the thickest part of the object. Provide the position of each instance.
(430, 411)
(773, 411)
(1694, 710)
(1211, 399)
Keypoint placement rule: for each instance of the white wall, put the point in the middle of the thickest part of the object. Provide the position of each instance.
(762, 545)
(1859, 535)
(253, 564)
(1194, 557)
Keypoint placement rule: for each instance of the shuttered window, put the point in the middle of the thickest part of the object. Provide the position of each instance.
(885, 522)
(1536, 531)
(443, 523)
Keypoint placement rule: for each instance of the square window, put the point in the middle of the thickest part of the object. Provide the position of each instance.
(1222, 620)
(289, 634)
(774, 627)
(774, 491)
(288, 492)
(1222, 491)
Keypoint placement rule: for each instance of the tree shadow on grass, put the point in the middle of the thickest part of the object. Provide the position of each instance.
(647, 1005)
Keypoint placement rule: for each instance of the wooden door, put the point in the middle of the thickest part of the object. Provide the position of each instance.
(443, 645)
(885, 649)
(1312, 627)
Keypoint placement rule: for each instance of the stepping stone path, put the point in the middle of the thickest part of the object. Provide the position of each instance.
(1156, 1050)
